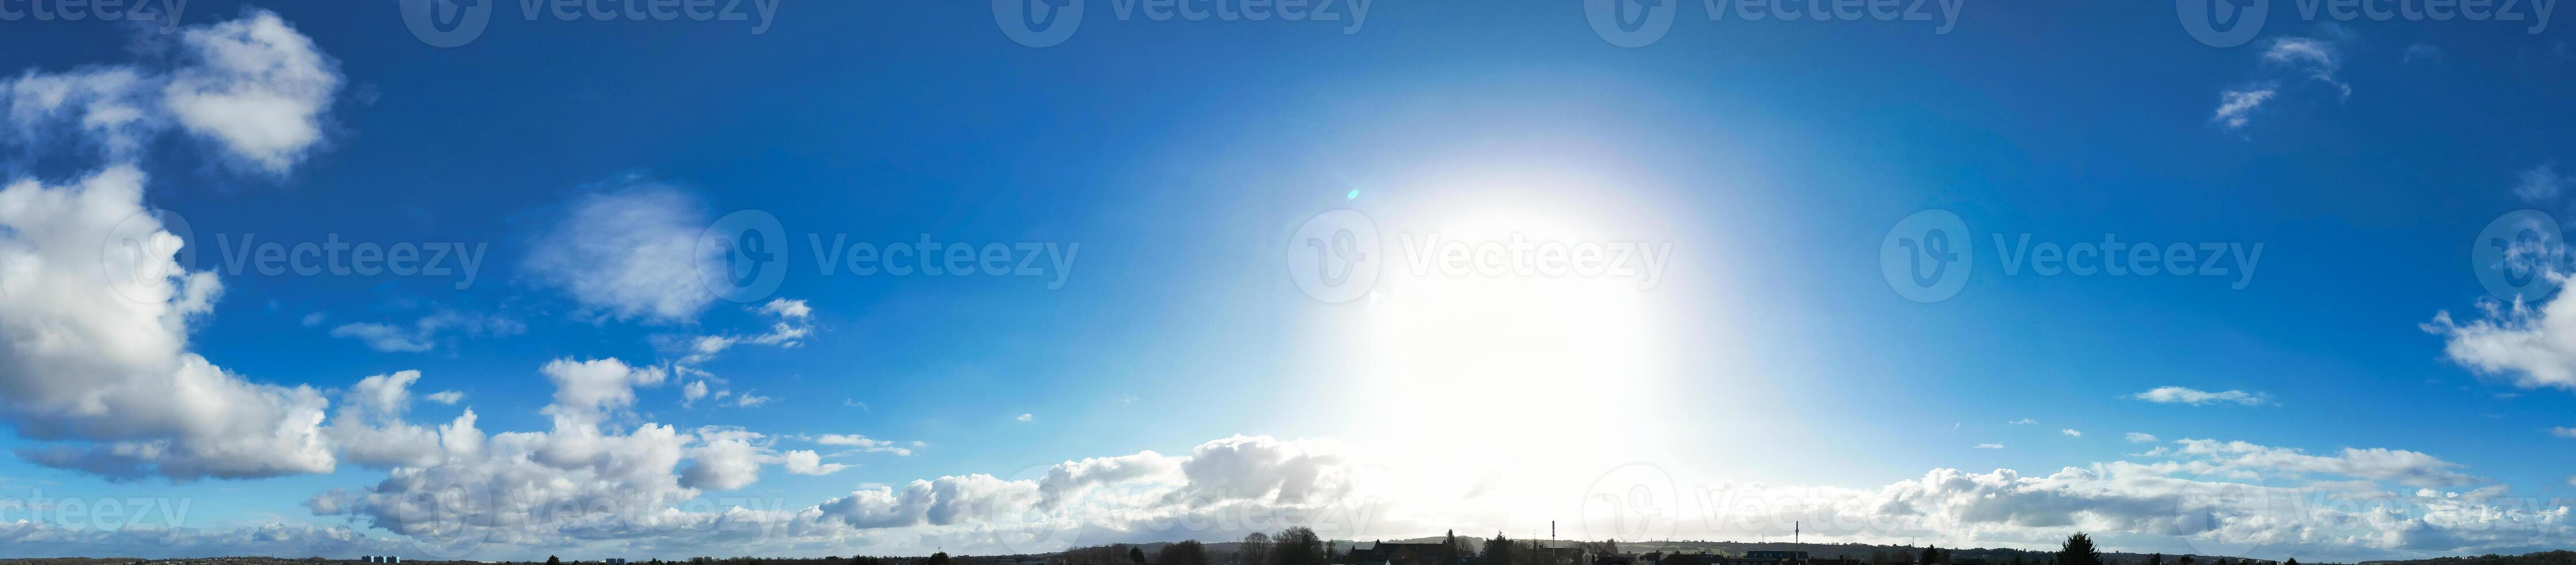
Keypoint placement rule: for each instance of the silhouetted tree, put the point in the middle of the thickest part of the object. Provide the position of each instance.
(2156, 559)
(941, 558)
(1498, 551)
(1255, 549)
(1183, 553)
(1931, 554)
(552, 560)
(2079, 551)
(1297, 546)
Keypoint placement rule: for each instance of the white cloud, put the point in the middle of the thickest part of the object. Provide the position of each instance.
(2071, 432)
(252, 87)
(1990, 446)
(255, 85)
(806, 462)
(2541, 182)
(630, 253)
(2288, 61)
(749, 400)
(587, 389)
(424, 334)
(2197, 397)
(2023, 421)
(1026, 417)
(861, 443)
(448, 397)
(101, 364)
(2405, 467)
(2236, 107)
(794, 323)
(2135, 437)
(726, 461)
(692, 392)
(2569, 433)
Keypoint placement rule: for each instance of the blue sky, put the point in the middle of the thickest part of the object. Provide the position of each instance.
(1151, 355)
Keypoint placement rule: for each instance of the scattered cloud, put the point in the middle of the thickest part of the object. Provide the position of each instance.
(860, 443)
(2023, 421)
(2286, 62)
(2541, 182)
(2070, 432)
(424, 334)
(1026, 417)
(447, 397)
(1990, 446)
(629, 253)
(2135, 437)
(2197, 397)
(2569, 433)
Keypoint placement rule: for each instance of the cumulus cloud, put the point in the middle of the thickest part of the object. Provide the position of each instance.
(2197, 397)
(2135, 437)
(94, 339)
(629, 253)
(1026, 417)
(2023, 421)
(1990, 446)
(807, 462)
(255, 85)
(252, 88)
(2070, 432)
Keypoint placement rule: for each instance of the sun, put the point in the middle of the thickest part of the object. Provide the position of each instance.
(1475, 362)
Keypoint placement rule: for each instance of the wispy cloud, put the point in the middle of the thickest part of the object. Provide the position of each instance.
(2197, 397)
